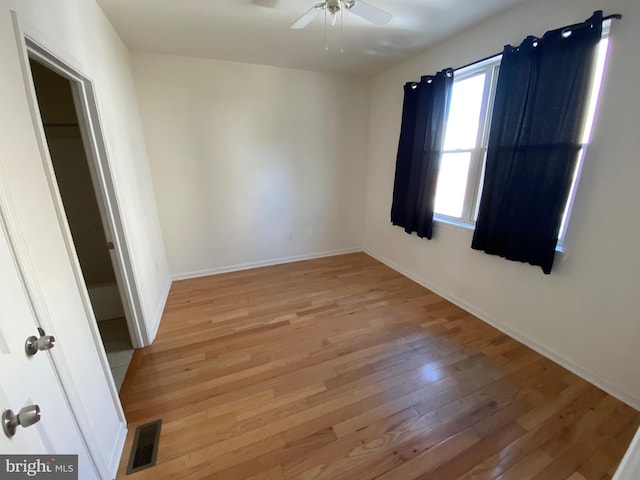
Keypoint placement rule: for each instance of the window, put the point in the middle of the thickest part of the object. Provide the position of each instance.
(467, 134)
(465, 145)
(587, 128)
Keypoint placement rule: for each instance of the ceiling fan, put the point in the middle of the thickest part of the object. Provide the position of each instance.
(333, 7)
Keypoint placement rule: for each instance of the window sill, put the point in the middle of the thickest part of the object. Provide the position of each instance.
(456, 225)
(468, 228)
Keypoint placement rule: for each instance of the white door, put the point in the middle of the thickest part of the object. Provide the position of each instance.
(31, 380)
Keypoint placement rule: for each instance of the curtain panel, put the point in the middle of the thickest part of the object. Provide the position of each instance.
(424, 115)
(534, 141)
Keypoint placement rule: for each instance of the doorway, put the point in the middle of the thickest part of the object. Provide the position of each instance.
(66, 143)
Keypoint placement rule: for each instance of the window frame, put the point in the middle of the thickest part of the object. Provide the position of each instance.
(490, 67)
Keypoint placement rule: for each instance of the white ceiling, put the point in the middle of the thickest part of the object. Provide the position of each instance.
(252, 31)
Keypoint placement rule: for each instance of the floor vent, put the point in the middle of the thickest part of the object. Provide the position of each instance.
(145, 447)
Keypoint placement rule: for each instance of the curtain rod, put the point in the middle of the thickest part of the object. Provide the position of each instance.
(614, 16)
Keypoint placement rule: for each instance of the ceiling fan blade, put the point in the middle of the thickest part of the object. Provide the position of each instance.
(371, 13)
(308, 17)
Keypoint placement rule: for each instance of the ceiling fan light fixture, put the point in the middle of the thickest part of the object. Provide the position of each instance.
(331, 8)
(333, 18)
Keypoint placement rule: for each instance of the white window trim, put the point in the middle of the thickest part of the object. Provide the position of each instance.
(475, 178)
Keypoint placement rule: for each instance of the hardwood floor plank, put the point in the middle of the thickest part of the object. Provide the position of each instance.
(424, 463)
(340, 368)
(539, 435)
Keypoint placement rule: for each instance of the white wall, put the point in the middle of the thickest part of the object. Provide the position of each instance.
(252, 164)
(585, 314)
(78, 32)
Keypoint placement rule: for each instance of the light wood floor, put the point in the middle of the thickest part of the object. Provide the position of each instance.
(341, 368)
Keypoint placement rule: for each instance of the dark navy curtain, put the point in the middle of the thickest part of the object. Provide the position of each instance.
(424, 115)
(534, 140)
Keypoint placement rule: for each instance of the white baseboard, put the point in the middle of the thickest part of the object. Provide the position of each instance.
(262, 263)
(560, 359)
(106, 301)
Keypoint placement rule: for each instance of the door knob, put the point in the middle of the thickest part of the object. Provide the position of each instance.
(34, 344)
(26, 417)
